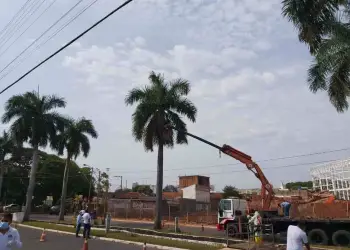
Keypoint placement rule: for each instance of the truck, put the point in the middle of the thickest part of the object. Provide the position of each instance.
(232, 212)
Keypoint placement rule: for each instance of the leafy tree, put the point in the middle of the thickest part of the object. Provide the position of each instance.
(170, 188)
(74, 140)
(230, 191)
(35, 122)
(6, 148)
(299, 184)
(158, 104)
(143, 189)
(327, 33)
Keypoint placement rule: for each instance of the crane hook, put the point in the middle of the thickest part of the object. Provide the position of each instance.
(219, 153)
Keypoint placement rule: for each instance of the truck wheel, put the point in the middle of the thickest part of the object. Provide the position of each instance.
(318, 236)
(341, 238)
(232, 229)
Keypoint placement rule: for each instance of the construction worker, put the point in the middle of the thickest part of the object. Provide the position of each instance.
(9, 236)
(87, 224)
(257, 221)
(285, 208)
(79, 222)
(296, 237)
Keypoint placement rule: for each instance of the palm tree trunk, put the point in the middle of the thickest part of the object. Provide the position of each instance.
(2, 170)
(159, 189)
(64, 190)
(31, 186)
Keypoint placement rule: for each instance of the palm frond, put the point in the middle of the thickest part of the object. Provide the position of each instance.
(156, 79)
(339, 88)
(313, 19)
(86, 126)
(179, 87)
(175, 121)
(51, 102)
(184, 107)
(134, 95)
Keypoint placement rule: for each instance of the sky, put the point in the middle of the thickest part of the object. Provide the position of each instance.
(245, 64)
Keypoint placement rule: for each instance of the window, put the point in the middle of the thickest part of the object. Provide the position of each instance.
(225, 205)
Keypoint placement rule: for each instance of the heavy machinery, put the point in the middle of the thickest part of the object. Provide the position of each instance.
(231, 211)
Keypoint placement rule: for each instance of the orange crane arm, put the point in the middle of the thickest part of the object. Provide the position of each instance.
(267, 193)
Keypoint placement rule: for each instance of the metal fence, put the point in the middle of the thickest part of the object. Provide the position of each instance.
(248, 236)
(141, 210)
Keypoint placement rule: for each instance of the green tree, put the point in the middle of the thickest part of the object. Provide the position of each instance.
(6, 148)
(326, 32)
(74, 140)
(170, 188)
(299, 184)
(158, 104)
(35, 122)
(143, 189)
(230, 191)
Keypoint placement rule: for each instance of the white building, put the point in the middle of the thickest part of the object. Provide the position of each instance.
(196, 192)
(333, 177)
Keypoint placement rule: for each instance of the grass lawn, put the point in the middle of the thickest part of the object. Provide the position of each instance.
(131, 237)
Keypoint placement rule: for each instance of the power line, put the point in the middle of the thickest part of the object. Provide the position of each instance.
(48, 39)
(49, 175)
(13, 18)
(19, 23)
(68, 44)
(267, 168)
(38, 17)
(42, 34)
(238, 163)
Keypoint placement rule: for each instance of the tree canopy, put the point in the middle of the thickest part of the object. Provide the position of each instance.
(325, 27)
(230, 191)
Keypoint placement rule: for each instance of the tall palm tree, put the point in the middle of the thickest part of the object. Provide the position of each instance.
(35, 122)
(6, 147)
(158, 104)
(324, 28)
(312, 18)
(74, 140)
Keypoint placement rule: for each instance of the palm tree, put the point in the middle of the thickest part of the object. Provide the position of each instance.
(312, 18)
(75, 141)
(6, 147)
(322, 26)
(35, 122)
(158, 104)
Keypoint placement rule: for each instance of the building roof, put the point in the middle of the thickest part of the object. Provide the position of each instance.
(194, 176)
(129, 195)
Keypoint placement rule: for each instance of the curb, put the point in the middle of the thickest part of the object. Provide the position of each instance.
(104, 238)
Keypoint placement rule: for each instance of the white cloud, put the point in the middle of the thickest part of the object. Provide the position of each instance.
(247, 71)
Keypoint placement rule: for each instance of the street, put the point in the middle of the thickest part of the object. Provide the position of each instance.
(208, 231)
(55, 241)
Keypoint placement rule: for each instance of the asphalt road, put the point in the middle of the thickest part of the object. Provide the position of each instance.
(54, 241)
(208, 231)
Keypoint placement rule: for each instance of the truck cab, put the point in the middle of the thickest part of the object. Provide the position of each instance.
(229, 210)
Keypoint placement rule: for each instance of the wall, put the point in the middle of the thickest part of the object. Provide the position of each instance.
(189, 192)
(202, 195)
(186, 181)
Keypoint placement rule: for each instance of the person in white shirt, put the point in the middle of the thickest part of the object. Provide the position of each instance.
(296, 237)
(87, 224)
(9, 236)
(79, 222)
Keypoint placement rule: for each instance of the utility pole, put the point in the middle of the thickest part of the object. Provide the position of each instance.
(121, 181)
(106, 191)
